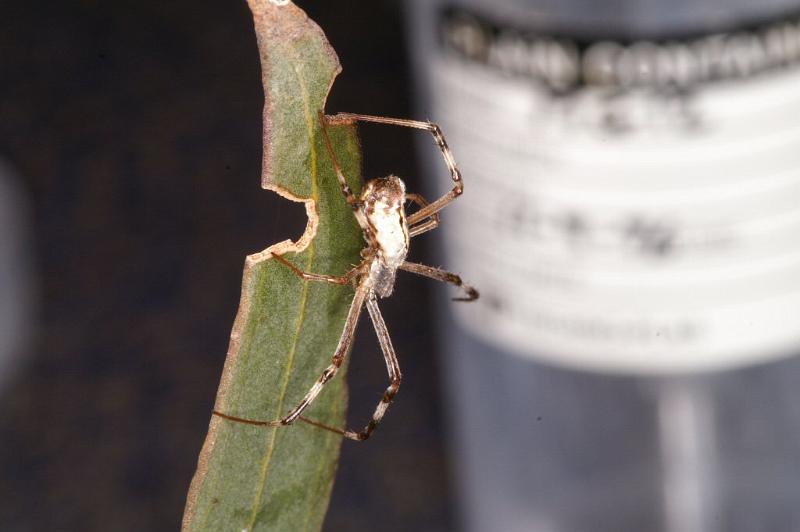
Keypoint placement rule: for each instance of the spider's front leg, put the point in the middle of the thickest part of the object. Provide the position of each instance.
(424, 225)
(455, 175)
(349, 197)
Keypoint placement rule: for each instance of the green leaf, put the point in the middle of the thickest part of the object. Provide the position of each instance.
(257, 478)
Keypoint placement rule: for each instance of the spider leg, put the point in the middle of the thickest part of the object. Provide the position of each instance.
(348, 193)
(395, 377)
(349, 197)
(442, 275)
(336, 362)
(341, 280)
(433, 129)
(392, 366)
(423, 226)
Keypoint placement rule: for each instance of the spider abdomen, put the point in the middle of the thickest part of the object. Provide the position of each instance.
(382, 278)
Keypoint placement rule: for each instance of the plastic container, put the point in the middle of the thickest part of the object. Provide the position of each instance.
(631, 217)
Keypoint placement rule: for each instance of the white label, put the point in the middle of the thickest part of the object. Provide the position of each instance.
(626, 231)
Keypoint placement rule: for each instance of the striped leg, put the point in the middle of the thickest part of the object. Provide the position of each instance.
(442, 275)
(349, 197)
(336, 362)
(433, 129)
(335, 279)
(392, 367)
(423, 226)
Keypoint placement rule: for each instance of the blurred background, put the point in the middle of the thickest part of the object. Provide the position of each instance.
(630, 217)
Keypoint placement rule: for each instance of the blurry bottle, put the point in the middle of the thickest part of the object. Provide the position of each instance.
(16, 274)
(632, 220)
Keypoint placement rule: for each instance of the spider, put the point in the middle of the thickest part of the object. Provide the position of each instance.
(387, 230)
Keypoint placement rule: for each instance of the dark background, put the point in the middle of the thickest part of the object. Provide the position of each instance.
(135, 128)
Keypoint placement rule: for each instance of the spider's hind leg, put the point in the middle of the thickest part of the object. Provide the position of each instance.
(327, 374)
(395, 377)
